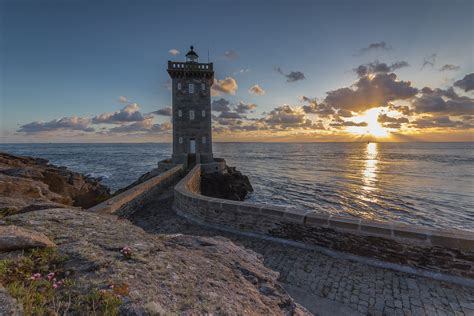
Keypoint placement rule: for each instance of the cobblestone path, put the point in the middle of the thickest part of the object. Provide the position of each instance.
(359, 288)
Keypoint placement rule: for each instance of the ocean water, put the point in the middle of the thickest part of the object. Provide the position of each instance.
(430, 184)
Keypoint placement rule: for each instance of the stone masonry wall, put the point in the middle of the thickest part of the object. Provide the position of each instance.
(126, 202)
(435, 250)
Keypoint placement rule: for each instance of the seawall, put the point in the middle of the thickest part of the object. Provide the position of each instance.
(434, 252)
(128, 201)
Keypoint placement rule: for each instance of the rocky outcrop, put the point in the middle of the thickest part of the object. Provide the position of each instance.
(17, 238)
(230, 185)
(28, 184)
(163, 274)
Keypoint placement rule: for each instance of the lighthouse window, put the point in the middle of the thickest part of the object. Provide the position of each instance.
(181, 140)
(191, 115)
(204, 139)
(203, 86)
(180, 113)
(191, 88)
(203, 113)
(179, 85)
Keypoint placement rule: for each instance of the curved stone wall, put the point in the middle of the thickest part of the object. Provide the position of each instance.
(435, 250)
(125, 203)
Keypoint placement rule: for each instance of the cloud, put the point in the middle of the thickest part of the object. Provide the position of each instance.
(130, 113)
(231, 55)
(391, 122)
(123, 99)
(378, 67)
(221, 105)
(256, 89)
(166, 111)
(429, 61)
(292, 76)
(440, 101)
(242, 107)
(229, 115)
(287, 117)
(440, 122)
(145, 126)
(369, 92)
(242, 71)
(348, 124)
(466, 83)
(174, 52)
(403, 109)
(226, 86)
(73, 123)
(449, 67)
(376, 47)
(313, 107)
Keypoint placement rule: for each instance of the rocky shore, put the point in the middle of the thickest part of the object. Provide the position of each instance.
(230, 185)
(68, 260)
(28, 184)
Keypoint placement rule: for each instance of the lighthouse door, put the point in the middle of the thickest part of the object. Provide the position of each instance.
(192, 146)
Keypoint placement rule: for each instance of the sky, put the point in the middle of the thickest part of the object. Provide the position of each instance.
(302, 71)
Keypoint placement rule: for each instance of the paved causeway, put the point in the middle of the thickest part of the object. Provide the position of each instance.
(327, 285)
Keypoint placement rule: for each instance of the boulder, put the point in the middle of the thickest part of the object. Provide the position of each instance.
(18, 238)
(230, 185)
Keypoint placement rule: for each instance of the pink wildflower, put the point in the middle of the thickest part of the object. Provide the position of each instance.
(35, 276)
(50, 276)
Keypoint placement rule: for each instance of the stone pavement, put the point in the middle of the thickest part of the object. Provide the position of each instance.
(316, 280)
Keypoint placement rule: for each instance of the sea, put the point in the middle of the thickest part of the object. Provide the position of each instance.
(429, 184)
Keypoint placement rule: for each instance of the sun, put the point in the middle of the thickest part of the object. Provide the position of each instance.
(373, 128)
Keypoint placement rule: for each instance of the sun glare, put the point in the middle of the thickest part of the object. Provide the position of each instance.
(373, 128)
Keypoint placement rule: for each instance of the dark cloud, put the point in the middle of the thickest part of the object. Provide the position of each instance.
(226, 86)
(344, 113)
(292, 76)
(378, 67)
(220, 105)
(287, 117)
(348, 124)
(313, 107)
(449, 67)
(466, 83)
(403, 109)
(164, 111)
(242, 107)
(368, 93)
(391, 122)
(440, 101)
(429, 61)
(130, 113)
(66, 123)
(440, 122)
(375, 46)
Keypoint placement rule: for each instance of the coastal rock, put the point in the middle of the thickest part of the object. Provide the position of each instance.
(17, 238)
(9, 305)
(230, 185)
(166, 274)
(28, 184)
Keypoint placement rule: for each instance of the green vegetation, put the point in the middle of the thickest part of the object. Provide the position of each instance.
(39, 281)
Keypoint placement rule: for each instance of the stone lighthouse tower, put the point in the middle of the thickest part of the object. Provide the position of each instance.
(191, 93)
